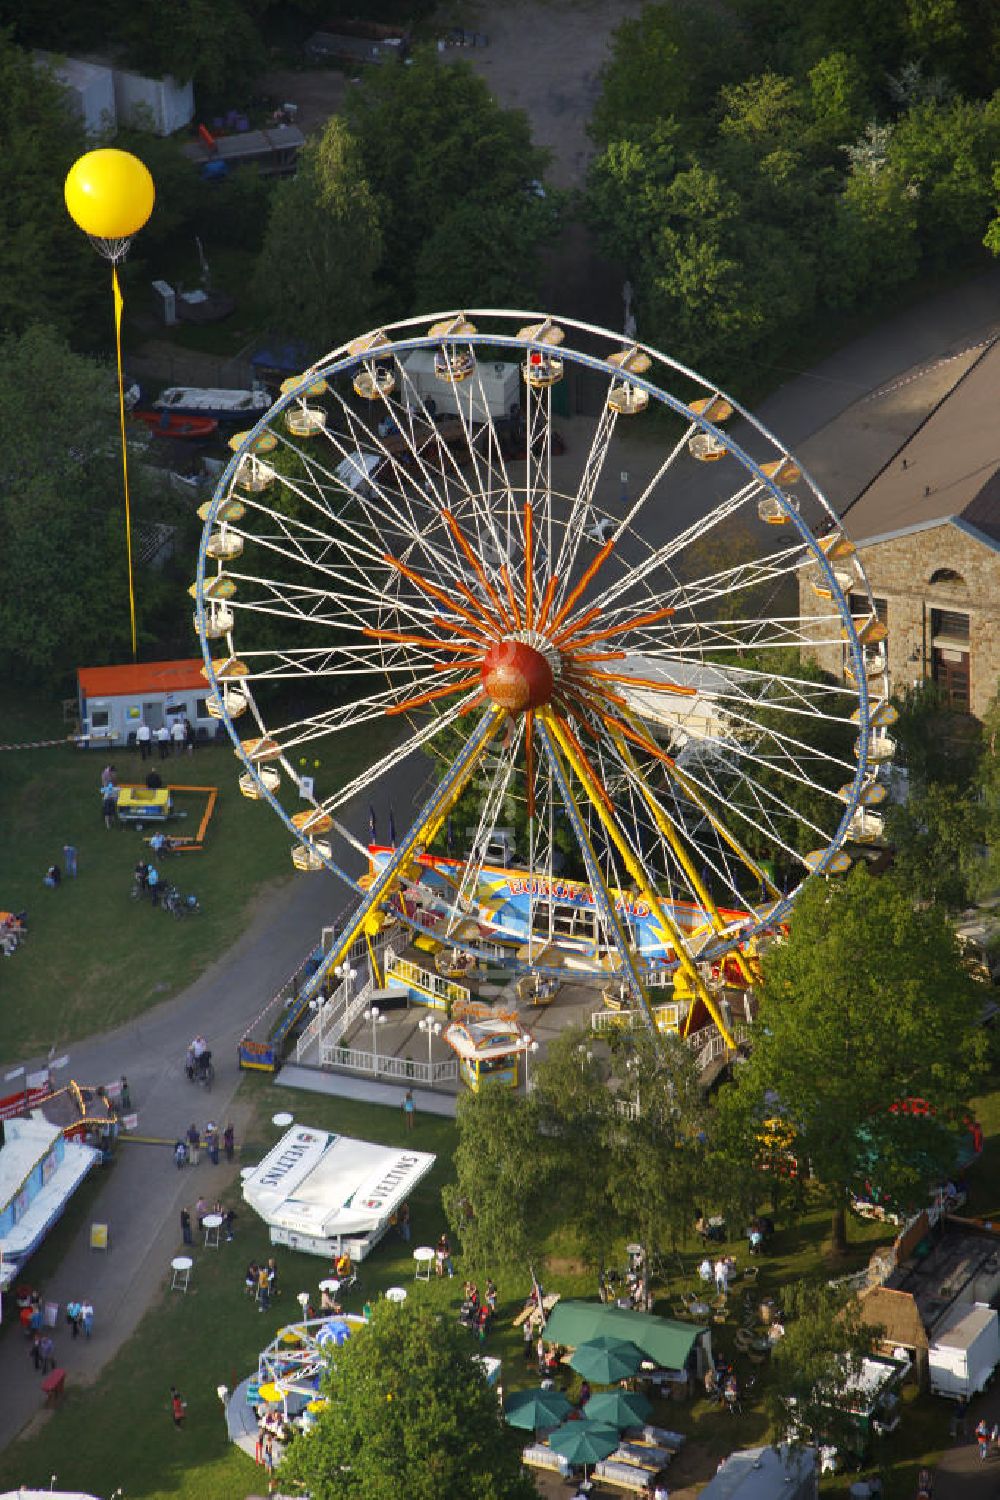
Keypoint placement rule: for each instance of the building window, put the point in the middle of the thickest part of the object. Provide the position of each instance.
(860, 607)
(950, 670)
(99, 718)
(201, 709)
(950, 625)
(947, 575)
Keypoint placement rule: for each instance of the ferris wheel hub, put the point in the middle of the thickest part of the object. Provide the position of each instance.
(517, 676)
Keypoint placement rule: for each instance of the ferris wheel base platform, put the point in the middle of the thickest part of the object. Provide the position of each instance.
(366, 1090)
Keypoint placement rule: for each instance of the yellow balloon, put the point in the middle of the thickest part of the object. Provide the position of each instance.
(109, 194)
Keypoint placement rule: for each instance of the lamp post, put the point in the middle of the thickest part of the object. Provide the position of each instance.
(375, 1016)
(529, 1051)
(430, 1029)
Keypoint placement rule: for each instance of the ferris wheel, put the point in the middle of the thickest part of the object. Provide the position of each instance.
(638, 677)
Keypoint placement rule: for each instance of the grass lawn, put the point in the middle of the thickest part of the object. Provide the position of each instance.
(213, 1335)
(94, 957)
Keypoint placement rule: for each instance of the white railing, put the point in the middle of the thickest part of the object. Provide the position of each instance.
(412, 976)
(627, 1108)
(335, 1015)
(668, 1018)
(360, 1060)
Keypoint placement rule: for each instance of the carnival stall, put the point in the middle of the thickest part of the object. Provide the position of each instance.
(324, 1193)
(488, 1050)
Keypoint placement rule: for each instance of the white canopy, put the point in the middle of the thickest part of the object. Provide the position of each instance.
(324, 1185)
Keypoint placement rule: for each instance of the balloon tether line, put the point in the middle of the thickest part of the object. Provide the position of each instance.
(119, 303)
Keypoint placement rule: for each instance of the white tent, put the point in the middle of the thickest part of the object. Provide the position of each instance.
(323, 1193)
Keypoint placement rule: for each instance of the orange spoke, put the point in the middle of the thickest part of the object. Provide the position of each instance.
(585, 619)
(505, 575)
(589, 573)
(419, 640)
(633, 624)
(462, 630)
(583, 683)
(547, 598)
(435, 592)
(614, 722)
(529, 561)
(595, 789)
(574, 657)
(529, 759)
(475, 702)
(476, 567)
(648, 682)
(442, 692)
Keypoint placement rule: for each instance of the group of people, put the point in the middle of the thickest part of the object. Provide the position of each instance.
(442, 1257)
(261, 1283)
(721, 1272)
(201, 1213)
(146, 878)
(180, 734)
(722, 1385)
(189, 1147)
(988, 1439)
(477, 1313)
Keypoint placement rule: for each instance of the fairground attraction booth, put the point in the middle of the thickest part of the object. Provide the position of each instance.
(324, 1193)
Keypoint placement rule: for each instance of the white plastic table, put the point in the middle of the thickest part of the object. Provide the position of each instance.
(181, 1267)
(283, 1119)
(211, 1224)
(424, 1258)
(396, 1294)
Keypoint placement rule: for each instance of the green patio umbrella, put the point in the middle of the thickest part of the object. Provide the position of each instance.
(620, 1408)
(606, 1360)
(536, 1409)
(584, 1442)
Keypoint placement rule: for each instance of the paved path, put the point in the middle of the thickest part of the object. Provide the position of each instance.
(141, 1196)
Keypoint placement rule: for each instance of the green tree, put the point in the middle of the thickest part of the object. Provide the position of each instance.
(63, 576)
(816, 1363)
(866, 1004)
(945, 154)
(670, 60)
(838, 98)
(485, 254)
(315, 276)
(409, 1413)
(431, 138)
(48, 272)
(497, 1205)
(937, 835)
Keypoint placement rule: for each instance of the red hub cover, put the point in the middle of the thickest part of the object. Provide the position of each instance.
(516, 676)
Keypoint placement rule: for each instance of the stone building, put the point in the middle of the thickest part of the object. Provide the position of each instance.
(927, 529)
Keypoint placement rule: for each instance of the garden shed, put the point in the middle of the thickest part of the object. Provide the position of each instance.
(114, 701)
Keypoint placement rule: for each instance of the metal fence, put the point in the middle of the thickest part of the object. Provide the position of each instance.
(360, 1060)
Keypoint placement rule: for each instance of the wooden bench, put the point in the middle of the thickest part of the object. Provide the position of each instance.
(54, 1383)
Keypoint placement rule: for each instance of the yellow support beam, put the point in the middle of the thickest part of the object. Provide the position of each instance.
(669, 832)
(596, 796)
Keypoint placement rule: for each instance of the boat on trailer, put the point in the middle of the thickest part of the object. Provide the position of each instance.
(219, 404)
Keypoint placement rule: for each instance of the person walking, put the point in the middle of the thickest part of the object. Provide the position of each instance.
(983, 1439)
(178, 735)
(409, 1108)
(212, 1142)
(87, 1317)
(194, 1143)
(109, 805)
(403, 1222)
(263, 1289)
(47, 1351)
(200, 1210)
(69, 859)
(229, 1142)
(229, 1218)
(144, 741)
(178, 1406)
(73, 1313)
(153, 884)
(163, 740)
(124, 1094)
(35, 1351)
(188, 735)
(186, 1234)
